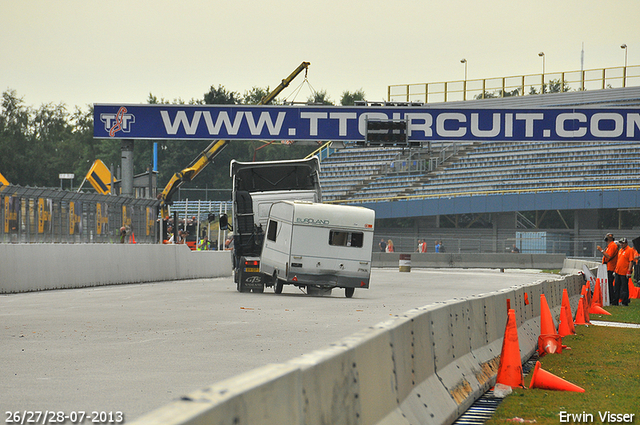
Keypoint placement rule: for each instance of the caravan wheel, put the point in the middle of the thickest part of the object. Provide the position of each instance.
(348, 292)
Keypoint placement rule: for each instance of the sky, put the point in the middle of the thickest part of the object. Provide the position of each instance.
(81, 52)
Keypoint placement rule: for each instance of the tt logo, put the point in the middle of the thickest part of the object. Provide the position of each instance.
(253, 279)
(120, 121)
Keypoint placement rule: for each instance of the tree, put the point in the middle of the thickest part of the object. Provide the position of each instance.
(320, 98)
(486, 95)
(14, 128)
(255, 95)
(553, 86)
(349, 99)
(220, 96)
(38, 144)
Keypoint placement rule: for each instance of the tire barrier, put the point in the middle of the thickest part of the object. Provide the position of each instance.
(37, 267)
(426, 366)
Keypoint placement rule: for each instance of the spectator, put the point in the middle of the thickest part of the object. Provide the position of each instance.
(626, 255)
(515, 249)
(169, 235)
(610, 257)
(390, 246)
(382, 245)
(204, 244)
(422, 245)
(437, 246)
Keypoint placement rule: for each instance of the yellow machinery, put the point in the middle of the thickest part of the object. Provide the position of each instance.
(100, 177)
(3, 181)
(207, 155)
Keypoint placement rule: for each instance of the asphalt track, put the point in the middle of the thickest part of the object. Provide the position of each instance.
(133, 348)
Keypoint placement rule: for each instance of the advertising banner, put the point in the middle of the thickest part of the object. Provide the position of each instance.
(320, 123)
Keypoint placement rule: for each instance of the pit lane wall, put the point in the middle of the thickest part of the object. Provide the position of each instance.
(473, 260)
(36, 267)
(426, 366)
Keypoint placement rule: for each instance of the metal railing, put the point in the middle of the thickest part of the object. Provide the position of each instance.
(43, 215)
(322, 152)
(521, 85)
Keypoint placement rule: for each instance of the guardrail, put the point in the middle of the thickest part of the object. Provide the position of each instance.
(519, 85)
(425, 366)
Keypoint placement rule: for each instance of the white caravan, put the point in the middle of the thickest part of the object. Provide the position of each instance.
(318, 246)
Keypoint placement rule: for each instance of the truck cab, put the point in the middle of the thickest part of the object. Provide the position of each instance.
(257, 186)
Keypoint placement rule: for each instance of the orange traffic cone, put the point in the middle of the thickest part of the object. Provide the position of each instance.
(597, 295)
(586, 312)
(547, 326)
(569, 314)
(549, 344)
(585, 304)
(510, 366)
(580, 317)
(526, 299)
(586, 292)
(133, 238)
(564, 328)
(548, 381)
(596, 309)
(633, 291)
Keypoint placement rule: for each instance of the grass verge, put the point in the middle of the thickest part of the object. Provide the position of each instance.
(605, 361)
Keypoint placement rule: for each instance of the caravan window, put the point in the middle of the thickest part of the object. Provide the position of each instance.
(342, 238)
(272, 230)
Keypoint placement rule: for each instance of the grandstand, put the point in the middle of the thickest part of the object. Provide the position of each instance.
(447, 178)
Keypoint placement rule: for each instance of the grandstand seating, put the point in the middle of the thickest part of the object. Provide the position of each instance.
(356, 174)
(349, 168)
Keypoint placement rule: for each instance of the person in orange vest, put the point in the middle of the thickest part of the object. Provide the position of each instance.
(609, 257)
(626, 255)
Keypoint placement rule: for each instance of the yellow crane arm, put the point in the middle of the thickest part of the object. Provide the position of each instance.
(207, 155)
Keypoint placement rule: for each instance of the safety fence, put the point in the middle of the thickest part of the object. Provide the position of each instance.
(43, 215)
(461, 242)
(520, 85)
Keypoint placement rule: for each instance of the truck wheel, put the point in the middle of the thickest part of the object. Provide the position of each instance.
(277, 286)
(348, 292)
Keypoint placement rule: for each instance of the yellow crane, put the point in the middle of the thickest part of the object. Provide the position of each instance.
(207, 155)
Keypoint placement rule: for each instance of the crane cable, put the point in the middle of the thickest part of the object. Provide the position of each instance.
(297, 90)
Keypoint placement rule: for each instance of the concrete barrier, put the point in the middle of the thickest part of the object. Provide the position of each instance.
(481, 261)
(574, 265)
(425, 366)
(36, 267)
